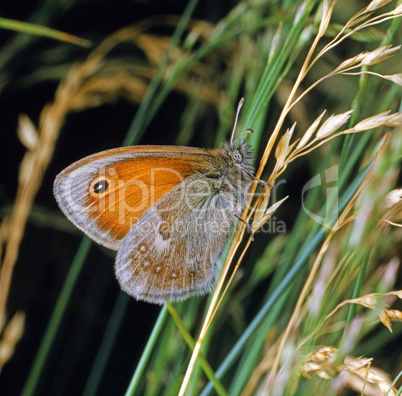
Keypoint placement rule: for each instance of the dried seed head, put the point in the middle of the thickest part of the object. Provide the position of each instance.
(284, 142)
(27, 133)
(394, 120)
(11, 335)
(333, 123)
(368, 301)
(306, 137)
(375, 4)
(395, 78)
(394, 197)
(397, 10)
(397, 293)
(349, 63)
(371, 122)
(324, 354)
(378, 55)
(394, 314)
(354, 365)
(385, 320)
(325, 17)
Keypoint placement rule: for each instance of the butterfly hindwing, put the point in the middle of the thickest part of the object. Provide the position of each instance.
(170, 253)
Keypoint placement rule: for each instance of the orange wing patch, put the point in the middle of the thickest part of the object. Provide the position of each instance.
(121, 193)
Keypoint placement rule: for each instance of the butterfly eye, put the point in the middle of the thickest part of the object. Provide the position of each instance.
(237, 157)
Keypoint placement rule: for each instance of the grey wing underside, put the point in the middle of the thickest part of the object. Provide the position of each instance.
(170, 253)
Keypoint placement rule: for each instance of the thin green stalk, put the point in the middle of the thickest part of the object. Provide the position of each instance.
(55, 319)
(105, 348)
(285, 284)
(42, 31)
(151, 102)
(136, 379)
(356, 294)
(191, 343)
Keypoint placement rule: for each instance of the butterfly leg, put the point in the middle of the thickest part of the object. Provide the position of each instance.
(259, 181)
(248, 226)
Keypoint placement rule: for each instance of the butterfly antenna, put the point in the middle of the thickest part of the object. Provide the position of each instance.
(237, 116)
(244, 133)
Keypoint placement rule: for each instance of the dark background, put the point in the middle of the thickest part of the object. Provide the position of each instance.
(50, 242)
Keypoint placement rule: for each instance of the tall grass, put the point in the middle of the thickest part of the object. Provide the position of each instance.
(306, 302)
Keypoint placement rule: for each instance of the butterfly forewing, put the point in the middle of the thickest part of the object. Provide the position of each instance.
(106, 193)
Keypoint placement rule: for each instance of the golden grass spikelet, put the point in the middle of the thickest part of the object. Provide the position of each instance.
(375, 4)
(394, 314)
(27, 133)
(380, 54)
(312, 128)
(397, 10)
(397, 293)
(393, 203)
(395, 78)
(368, 301)
(356, 373)
(284, 142)
(333, 123)
(327, 9)
(316, 368)
(374, 121)
(369, 58)
(324, 354)
(12, 334)
(320, 363)
(106, 88)
(285, 152)
(393, 198)
(362, 374)
(154, 47)
(348, 63)
(385, 320)
(260, 221)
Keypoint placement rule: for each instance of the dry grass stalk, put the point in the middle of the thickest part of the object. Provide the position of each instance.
(341, 222)
(356, 373)
(12, 334)
(263, 367)
(320, 363)
(393, 214)
(359, 375)
(86, 85)
(286, 152)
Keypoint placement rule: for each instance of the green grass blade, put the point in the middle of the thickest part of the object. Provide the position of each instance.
(136, 379)
(105, 348)
(43, 31)
(55, 319)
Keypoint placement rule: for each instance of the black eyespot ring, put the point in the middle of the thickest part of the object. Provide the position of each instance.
(100, 186)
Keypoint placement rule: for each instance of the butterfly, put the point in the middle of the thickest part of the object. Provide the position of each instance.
(168, 211)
